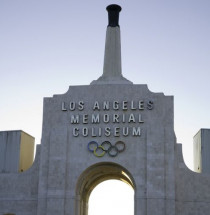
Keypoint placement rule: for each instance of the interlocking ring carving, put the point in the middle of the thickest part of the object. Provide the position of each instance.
(106, 147)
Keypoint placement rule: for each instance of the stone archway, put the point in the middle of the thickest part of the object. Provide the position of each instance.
(94, 175)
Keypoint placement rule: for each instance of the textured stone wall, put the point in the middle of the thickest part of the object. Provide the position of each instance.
(19, 191)
(57, 183)
(148, 157)
(192, 189)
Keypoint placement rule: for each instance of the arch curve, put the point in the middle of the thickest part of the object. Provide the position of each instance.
(94, 175)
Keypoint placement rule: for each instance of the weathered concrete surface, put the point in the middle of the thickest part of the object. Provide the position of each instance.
(16, 151)
(64, 174)
(149, 158)
(19, 191)
(112, 71)
(192, 189)
(145, 157)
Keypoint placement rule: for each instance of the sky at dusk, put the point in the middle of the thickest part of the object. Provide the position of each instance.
(47, 45)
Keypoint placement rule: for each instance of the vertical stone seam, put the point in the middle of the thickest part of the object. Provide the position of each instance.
(146, 170)
(42, 199)
(165, 204)
(19, 156)
(48, 169)
(67, 149)
(4, 164)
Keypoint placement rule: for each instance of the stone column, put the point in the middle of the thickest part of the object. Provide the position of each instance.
(112, 71)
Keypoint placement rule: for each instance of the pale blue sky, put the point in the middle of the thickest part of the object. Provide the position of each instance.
(47, 45)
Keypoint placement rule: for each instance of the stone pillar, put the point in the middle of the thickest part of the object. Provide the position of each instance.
(112, 71)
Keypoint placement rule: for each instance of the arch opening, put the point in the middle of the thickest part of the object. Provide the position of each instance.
(111, 197)
(93, 176)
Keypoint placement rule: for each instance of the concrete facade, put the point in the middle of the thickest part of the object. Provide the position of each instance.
(201, 151)
(111, 129)
(16, 151)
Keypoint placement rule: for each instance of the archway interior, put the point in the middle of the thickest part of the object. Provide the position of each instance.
(112, 197)
(93, 176)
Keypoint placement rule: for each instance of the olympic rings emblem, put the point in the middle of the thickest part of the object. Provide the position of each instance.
(106, 147)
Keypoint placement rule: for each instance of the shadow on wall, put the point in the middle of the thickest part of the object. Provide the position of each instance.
(16, 151)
